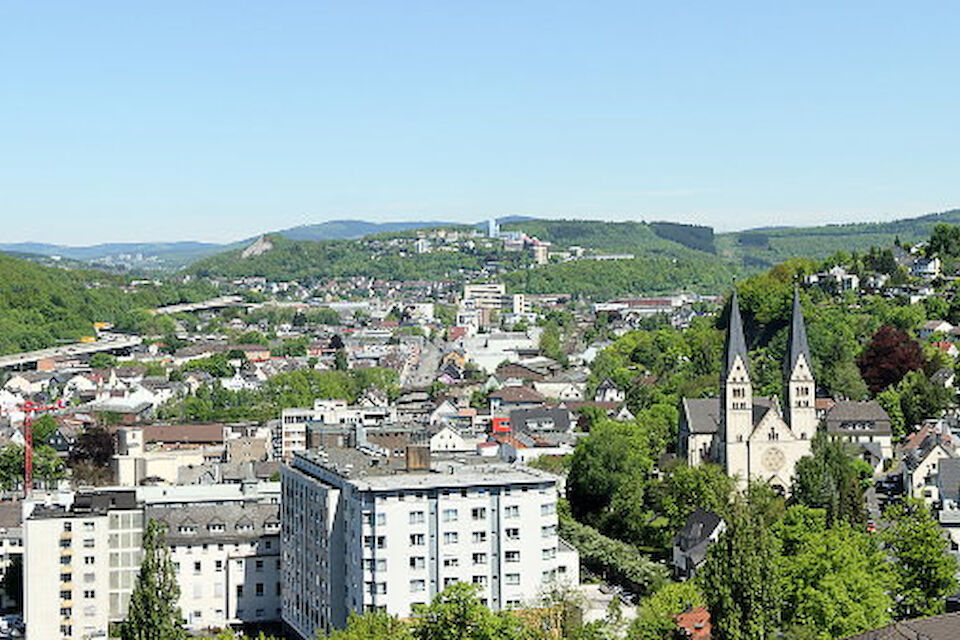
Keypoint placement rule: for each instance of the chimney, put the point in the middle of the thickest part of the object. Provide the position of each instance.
(418, 457)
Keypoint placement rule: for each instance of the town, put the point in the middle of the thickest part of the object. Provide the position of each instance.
(303, 454)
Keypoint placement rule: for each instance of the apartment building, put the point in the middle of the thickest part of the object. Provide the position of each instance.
(82, 556)
(295, 422)
(487, 295)
(367, 532)
(227, 560)
(80, 564)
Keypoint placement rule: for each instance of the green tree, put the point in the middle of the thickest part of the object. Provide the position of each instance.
(921, 399)
(44, 427)
(340, 362)
(102, 361)
(457, 614)
(831, 479)
(925, 570)
(834, 581)
(740, 578)
(655, 618)
(373, 625)
(153, 613)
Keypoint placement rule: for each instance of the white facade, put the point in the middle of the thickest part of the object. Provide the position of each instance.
(394, 541)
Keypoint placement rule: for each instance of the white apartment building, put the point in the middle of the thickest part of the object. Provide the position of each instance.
(81, 557)
(363, 532)
(227, 560)
(488, 295)
(294, 422)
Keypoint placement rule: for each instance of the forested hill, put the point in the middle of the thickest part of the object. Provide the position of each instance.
(621, 237)
(43, 306)
(764, 247)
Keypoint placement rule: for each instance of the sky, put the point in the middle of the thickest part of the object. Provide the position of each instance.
(216, 120)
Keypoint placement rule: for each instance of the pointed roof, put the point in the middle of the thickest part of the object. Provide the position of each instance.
(736, 343)
(797, 343)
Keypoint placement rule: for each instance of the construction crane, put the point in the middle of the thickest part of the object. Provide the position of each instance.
(30, 409)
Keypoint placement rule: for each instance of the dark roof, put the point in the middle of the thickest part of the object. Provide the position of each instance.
(698, 527)
(184, 433)
(241, 522)
(948, 479)
(736, 343)
(943, 627)
(798, 337)
(703, 415)
(520, 417)
(851, 416)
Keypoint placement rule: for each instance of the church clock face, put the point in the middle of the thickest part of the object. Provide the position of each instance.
(773, 459)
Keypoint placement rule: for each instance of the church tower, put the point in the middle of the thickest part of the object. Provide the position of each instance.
(736, 398)
(799, 384)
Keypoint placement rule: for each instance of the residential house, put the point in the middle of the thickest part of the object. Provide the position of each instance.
(701, 529)
(507, 399)
(608, 391)
(863, 423)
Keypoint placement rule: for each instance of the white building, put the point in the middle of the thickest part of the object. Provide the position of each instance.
(294, 422)
(363, 533)
(82, 556)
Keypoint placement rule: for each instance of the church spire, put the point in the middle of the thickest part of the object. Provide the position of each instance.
(797, 345)
(736, 343)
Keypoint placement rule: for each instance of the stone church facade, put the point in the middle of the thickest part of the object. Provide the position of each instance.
(754, 438)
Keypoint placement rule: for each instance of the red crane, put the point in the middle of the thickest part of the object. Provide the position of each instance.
(31, 409)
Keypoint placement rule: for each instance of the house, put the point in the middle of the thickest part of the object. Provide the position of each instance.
(947, 348)
(861, 423)
(944, 377)
(608, 391)
(942, 627)
(948, 488)
(538, 419)
(694, 624)
(509, 398)
(926, 268)
(922, 453)
(449, 438)
(701, 529)
(931, 327)
(29, 383)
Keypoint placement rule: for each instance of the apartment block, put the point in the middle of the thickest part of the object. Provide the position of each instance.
(82, 556)
(364, 532)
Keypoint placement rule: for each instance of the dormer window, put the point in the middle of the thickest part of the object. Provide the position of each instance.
(187, 529)
(217, 527)
(244, 526)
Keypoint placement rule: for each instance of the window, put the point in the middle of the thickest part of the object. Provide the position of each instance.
(218, 565)
(88, 526)
(259, 566)
(451, 562)
(417, 562)
(481, 580)
(548, 508)
(187, 529)
(479, 558)
(513, 534)
(88, 560)
(66, 577)
(418, 585)
(513, 511)
(417, 517)
(259, 589)
(239, 593)
(417, 540)
(449, 515)
(451, 537)
(89, 594)
(512, 579)
(217, 527)
(196, 567)
(478, 513)
(479, 536)
(550, 553)
(512, 556)
(548, 531)
(66, 595)
(88, 543)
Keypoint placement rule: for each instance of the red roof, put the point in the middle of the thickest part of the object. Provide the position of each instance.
(695, 622)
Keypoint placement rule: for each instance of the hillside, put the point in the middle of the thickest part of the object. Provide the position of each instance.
(43, 306)
(161, 254)
(352, 229)
(619, 237)
(764, 247)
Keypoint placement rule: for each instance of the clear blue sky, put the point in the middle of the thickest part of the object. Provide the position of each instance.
(215, 120)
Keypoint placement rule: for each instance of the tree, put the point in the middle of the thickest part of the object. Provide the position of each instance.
(373, 625)
(834, 580)
(457, 614)
(340, 362)
(153, 613)
(944, 241)
(655, 618)
(740, 579)
(890, 354)
(925, 570)
(831, 479)
(102, 361)
(920, 398)
(91, 455)
(686, 488)
(44, 427)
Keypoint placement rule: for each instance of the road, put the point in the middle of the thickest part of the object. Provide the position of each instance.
(423, 370)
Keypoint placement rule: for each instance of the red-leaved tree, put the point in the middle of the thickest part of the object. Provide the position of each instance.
(889, 356)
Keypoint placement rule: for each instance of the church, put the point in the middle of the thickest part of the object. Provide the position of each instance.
(754, 438)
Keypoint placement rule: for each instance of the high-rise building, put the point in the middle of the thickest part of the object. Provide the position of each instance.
(364, 532)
